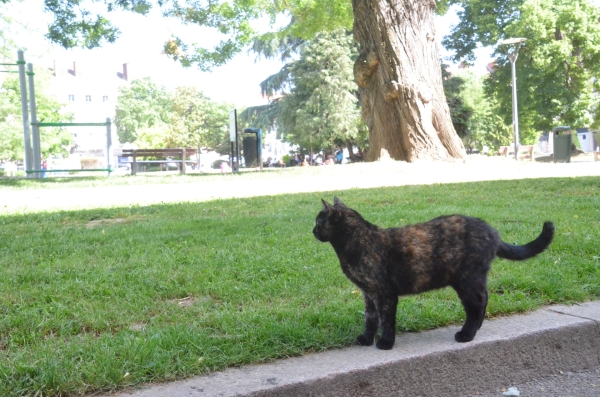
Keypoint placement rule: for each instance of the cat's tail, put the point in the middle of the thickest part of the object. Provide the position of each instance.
(529, 250)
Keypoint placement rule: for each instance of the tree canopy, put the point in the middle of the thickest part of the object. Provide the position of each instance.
(557, 67)
(53, 141)
(318, 106)
(197, 121)
(142, 107)
(476, 116)
(88, 24)
(7, 43)
(322, 105)
(150, 116)
(459, 110)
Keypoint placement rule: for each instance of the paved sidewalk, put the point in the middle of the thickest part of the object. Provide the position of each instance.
(506, 351)
(290, 181)
(564, 384)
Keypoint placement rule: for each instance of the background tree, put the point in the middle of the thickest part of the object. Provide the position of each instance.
(322, 106)
(197, 121)
(142, 112)
(263, 116)
(397, 71)
(459, 110)
(475, 114)
(486, 126)
(557, 67)
(53, 141)
(7, 44)
(315, 103)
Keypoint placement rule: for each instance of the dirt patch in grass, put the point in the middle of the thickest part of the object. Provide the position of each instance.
(99, 222)
(184, 302)
(110, 221)
(137, 326)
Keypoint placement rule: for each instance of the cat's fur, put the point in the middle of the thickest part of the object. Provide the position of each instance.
(453, 250)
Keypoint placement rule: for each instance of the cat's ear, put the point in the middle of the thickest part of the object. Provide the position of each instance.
(326, 205)
(338, 202)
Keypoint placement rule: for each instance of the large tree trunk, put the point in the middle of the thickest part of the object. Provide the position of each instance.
(398, 72)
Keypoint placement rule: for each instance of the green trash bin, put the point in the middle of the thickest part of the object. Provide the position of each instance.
(562, 144)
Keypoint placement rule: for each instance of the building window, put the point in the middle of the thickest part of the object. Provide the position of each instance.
(105, 98)
(88, 98)
(583, 137)
(71, 98)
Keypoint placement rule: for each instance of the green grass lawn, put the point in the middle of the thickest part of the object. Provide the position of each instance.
(101, 299)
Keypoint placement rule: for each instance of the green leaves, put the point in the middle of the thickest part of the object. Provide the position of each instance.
(459, 110)
(197, 121)
(475, 115)
(151, 117)
(322, 105)
(77, 27)
(556, 68)
(52, 140)
(234, 21)
(141, 105)
(319, 106)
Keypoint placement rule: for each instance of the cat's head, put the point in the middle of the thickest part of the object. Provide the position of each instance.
(327, 220)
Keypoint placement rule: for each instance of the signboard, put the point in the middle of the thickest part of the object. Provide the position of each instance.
(232, 125)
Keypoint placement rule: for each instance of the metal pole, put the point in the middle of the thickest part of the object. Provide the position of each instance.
(182, 170)
(35, 129)
(25, 112)
(108, 145)
(513, 61)
(237, 146)
(134, 164)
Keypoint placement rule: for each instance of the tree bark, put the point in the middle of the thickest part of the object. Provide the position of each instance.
(399, 76)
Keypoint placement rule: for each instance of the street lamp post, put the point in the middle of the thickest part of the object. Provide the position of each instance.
(516, 42)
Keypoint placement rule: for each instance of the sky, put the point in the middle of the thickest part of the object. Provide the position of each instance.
(140, 45)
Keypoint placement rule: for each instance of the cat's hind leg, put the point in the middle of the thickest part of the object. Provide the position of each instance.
(474, 298)
(484, 308)
(371, 322)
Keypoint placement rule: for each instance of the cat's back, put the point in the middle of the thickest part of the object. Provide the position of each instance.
(447, 230)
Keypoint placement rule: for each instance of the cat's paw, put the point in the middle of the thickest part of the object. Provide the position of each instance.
(463, 336)
(365, 341)
(385, 344)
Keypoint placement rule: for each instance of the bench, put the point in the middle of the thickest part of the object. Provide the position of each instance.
(525, 151)
(182, 153)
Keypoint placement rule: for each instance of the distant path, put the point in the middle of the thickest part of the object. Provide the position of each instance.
(289, 181)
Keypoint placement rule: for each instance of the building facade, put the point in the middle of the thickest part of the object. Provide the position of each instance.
(90, 92)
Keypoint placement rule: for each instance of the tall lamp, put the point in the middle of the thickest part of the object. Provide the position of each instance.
(515, 43)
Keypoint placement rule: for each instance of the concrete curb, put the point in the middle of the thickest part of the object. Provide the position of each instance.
(505, 351)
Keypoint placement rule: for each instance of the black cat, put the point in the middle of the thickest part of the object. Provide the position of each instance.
(453, 250)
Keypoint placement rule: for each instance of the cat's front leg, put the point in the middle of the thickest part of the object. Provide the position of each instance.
(371, 322)
(387, 307)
